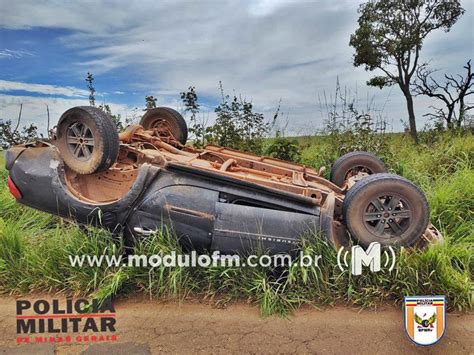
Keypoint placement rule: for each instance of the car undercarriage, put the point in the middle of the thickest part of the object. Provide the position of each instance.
(213, 198)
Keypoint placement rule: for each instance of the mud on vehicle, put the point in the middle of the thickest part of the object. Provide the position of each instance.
(214, 198)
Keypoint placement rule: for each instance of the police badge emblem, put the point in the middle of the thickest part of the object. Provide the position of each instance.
(425, 318)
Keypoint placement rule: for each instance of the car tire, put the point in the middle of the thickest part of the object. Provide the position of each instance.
(355, 162)
(385, 208)
(87, 140)
(159, 116)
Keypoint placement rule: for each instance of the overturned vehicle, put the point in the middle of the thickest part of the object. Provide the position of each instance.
(214, 198)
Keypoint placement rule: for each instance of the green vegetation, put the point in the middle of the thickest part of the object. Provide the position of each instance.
(10, 135)
(390, 37)
(237, 124)
(34, 246)
(283, 148)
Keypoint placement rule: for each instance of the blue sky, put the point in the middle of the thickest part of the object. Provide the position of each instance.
(265, 50)
(42, 55)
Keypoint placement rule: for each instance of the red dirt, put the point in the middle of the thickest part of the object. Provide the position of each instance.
(145, 327)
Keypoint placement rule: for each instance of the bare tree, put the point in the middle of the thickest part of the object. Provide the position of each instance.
(464, 88)
(453, 92)
(19, 120)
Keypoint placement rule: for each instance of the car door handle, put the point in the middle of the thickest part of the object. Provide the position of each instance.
(143, 231)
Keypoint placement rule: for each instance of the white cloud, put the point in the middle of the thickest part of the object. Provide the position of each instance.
(266, 50)
(34, 109)
(14, 54)
(266, 7)
(42, 89)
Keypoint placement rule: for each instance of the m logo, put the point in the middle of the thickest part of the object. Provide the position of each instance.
(372, 257)
(425, 318)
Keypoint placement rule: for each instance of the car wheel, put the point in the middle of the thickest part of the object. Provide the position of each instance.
(164, 117)
(87, 140)
(352, 163)
(385, 208)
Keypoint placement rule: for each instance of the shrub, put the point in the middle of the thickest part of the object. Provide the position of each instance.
(11, 136)
(284, 148)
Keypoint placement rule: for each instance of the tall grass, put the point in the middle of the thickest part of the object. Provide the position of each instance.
(34, 248)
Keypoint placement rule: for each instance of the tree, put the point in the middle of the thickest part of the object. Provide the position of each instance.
(191, 106)
(390, 37)
(237, 125)
(90, 86)
(116, 119)
(252, 126)
(150, 102)
(464, 88)
(452, 92)
(224, 131)
(11, 136)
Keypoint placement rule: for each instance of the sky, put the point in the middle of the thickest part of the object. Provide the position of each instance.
(267, 51)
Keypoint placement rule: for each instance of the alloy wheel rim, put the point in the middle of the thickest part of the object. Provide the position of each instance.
(387, 216)
(80, 141)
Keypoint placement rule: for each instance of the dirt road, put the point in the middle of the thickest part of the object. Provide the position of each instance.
(145, 327)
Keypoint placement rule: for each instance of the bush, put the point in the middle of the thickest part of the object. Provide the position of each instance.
(10, 136)
(284, 148)
(238, 126)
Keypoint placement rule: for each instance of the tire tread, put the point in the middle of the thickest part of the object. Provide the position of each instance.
(357, 192)
(334, 175)
(108, 136)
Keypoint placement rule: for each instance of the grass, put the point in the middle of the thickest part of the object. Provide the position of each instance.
(34, 247)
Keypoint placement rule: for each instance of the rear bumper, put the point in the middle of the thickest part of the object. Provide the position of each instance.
(39, 175)
(12, 154)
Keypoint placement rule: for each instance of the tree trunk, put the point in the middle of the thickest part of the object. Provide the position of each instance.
(449, 122)
(411, 114)
(461, 113)
(449, 117)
